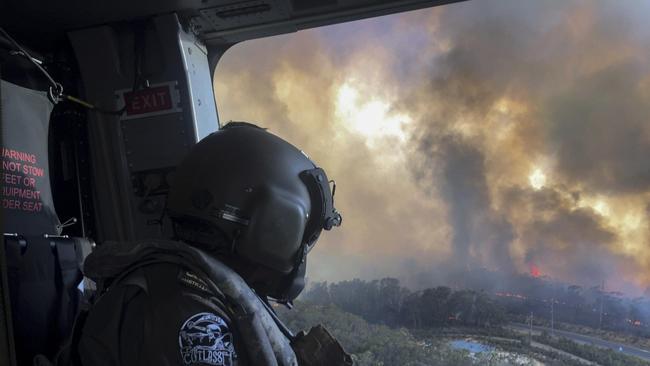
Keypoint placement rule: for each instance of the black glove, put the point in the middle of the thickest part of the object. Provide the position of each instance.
(319, 348)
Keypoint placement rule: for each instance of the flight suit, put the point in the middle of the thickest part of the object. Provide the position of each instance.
(161, 314)
(167, 303)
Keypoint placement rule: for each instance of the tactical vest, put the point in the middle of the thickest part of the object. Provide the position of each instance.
(264, 339)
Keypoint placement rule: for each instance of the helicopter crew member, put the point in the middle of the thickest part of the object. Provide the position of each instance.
(246, 208)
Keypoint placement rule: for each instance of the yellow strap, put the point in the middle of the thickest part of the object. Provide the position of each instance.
(79, 101)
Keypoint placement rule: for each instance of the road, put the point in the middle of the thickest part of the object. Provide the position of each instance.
(620, 347)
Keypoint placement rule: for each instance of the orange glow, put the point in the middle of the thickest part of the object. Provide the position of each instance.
(534, 271)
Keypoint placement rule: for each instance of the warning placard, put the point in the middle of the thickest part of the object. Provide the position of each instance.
(19, 173)
(27, 205)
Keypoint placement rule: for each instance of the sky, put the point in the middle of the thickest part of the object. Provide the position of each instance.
(507, 135)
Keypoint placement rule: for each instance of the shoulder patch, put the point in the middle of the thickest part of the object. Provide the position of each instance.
(193, 281)
(204, 339)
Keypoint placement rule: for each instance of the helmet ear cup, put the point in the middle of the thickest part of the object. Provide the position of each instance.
(276, 225)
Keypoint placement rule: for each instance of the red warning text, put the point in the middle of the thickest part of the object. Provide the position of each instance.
(20, 177)
(18, 155)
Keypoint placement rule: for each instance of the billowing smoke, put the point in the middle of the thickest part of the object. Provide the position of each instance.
(503, 135)
(481, 236)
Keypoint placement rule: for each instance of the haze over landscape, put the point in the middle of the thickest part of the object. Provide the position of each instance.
(506, 135)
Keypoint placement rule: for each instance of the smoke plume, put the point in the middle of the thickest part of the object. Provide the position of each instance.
(503, 135)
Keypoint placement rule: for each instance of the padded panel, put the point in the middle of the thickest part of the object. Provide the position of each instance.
(26, 194)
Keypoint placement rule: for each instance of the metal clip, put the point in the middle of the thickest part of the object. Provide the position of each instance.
(69, 222)
(50, 236)
(55, 93)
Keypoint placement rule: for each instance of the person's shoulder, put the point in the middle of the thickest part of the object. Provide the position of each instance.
(207, 330)
(208, 326)
(193, 281)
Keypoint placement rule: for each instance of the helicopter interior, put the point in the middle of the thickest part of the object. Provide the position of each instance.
(99, 102)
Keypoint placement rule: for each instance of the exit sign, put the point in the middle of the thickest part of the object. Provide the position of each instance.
(158, 99)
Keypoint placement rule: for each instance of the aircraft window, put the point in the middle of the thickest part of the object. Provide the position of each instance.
(490, 160)
(491, 164)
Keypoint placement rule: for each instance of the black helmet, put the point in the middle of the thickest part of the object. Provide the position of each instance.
(247, 193)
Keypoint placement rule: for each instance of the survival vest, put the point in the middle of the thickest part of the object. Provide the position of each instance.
(264, 339)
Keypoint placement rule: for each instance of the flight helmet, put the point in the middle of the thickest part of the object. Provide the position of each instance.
(250, 195)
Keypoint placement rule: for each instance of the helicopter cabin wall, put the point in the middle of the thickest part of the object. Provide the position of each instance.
(39, 268)
(155, 77)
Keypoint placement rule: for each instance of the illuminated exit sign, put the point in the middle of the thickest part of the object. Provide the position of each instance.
(155, 100)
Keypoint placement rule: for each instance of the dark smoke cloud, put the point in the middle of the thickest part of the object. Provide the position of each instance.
(481, 236)
(571, 243)
(577, 67)
(600, 131)
(584, 67)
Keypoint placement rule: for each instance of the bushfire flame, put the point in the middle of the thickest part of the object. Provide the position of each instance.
(534, 271)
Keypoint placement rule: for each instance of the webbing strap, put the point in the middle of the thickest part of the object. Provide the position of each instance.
(7, 257)
(14, 258)
(258, 347)
(66, 257)
(68, 277)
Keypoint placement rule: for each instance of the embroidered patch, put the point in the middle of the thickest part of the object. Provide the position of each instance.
(204, 339)
(191, 280)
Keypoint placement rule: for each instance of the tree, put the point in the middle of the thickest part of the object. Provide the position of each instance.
(318, 294)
